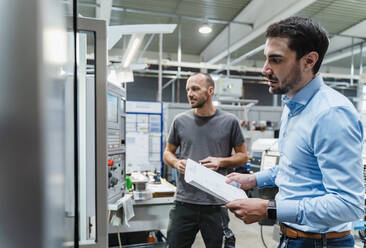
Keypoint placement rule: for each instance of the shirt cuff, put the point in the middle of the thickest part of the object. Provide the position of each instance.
(287, 210)
(263, 178)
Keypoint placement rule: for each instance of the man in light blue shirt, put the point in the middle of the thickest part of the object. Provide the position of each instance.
(320, 172)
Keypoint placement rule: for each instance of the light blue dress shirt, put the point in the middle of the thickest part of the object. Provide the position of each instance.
(320, 172)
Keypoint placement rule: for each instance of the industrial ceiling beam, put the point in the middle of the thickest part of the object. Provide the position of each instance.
(258, 79)
(343, 49)
(344, 53)
(334, 55)
(192, 18)
(145, 47)
(155, 13)
(337, 52)
(240, 68)
(347, 36)
(244, 56)
(256, 12)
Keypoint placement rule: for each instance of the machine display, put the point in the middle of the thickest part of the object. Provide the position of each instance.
(112, 113)
(116, 146)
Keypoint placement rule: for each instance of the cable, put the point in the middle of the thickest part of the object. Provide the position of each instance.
(119, 238)
(264, 243)
(118, 231)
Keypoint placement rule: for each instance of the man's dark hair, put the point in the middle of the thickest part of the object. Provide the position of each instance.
(304, 36)
(208, 78)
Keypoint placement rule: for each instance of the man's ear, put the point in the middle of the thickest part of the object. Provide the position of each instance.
(211, 90)
(310, 60)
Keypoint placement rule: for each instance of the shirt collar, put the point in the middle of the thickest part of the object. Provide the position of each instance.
(301, 99)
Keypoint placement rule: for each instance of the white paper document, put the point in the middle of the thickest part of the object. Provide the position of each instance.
(211, 182)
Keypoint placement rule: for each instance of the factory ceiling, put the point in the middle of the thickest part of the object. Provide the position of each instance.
(237, 25)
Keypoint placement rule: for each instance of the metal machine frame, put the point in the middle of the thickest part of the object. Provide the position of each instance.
(100, 30)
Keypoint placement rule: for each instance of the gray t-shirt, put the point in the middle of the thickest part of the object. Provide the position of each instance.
(199, 137)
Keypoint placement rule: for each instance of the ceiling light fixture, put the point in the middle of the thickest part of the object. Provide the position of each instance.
(205, 29)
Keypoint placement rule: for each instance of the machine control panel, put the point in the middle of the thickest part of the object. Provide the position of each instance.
(116, 146)
(116, 176)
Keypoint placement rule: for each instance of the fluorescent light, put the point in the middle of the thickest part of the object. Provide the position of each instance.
(132, 48)
(205, 29)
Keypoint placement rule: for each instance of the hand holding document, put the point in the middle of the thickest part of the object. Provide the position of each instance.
(211, 182)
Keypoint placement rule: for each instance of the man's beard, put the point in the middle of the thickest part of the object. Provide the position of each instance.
(292, 81)
(199, 103)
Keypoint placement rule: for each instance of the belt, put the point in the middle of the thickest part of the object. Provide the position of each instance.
(198, 205)
(293, 233)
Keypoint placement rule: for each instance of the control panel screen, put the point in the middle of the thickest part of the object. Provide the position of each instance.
(268, 162)
(112, 113)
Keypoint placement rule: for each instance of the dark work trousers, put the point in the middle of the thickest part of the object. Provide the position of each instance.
(186, 219)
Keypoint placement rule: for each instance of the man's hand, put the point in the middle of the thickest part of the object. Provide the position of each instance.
(249, 210)
(180, 165)
(212, 163)
(247, 181)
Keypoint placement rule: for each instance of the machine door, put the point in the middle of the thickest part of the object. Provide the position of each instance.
(86, 136)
